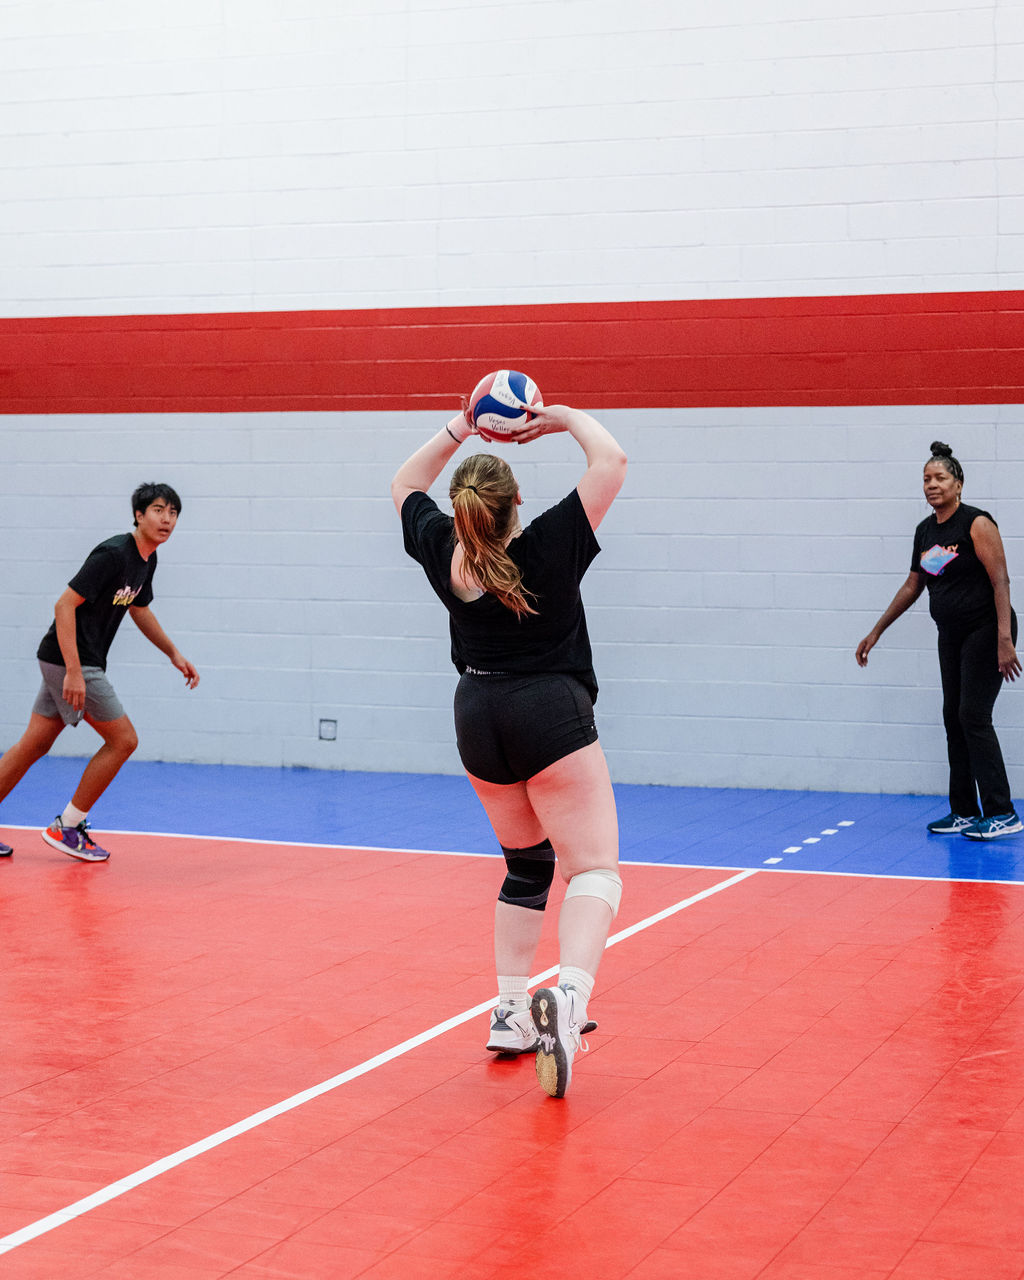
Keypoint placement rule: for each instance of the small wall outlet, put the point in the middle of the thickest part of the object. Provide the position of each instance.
(328, 730)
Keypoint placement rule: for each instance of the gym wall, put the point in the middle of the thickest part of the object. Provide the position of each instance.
(259, 250)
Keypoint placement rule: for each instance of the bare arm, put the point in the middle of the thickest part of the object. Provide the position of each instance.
(418, 472)
(606, 461)
(147, 623)
(900, 603)
(989, 546)
(67, 639)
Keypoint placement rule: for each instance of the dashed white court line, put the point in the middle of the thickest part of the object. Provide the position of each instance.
(116, 1189)
(799, 848)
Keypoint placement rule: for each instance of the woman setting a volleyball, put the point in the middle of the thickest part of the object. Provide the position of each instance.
(958, 555)
(524, 709)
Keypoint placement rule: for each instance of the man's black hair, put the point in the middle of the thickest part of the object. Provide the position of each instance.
(146, 494)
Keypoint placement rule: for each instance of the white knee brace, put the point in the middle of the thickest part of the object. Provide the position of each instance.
(599, 883)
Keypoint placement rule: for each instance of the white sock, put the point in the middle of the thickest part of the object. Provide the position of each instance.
(583, 982)
(512, 993)
(71, 816)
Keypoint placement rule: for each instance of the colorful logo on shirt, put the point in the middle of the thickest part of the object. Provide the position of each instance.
(935, 559)
(126, 594)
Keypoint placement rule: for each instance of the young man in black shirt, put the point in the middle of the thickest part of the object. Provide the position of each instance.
(116, 578)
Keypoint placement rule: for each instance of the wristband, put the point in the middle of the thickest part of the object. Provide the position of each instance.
(459, 439)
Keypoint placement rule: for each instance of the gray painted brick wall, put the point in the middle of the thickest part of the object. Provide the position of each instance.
(735, 580)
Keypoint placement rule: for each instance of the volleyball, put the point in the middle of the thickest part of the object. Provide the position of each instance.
(501, 402)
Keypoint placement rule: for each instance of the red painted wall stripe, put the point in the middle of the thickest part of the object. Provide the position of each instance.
(932, 348)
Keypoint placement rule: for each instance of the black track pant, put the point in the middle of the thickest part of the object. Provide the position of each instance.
(970, 685)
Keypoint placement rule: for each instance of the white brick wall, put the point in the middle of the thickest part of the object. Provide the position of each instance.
(272, 156)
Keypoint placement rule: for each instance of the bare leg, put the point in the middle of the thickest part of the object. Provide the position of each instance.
(572, 804)
(583, 925)
(573, 798)
(516, 930)
(119, 741)
(34, 743)
(516, 936)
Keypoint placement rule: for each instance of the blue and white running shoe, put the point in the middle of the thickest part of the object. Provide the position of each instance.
(1000, 824)
(951, 825)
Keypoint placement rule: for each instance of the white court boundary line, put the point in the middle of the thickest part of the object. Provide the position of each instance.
(274, 844)
(626, 862)
(116, 1189)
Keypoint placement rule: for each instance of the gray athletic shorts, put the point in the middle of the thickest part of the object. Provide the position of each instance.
(101, 702)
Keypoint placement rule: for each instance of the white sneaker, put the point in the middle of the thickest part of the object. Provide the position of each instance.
(512, 1032)
(556, 1015)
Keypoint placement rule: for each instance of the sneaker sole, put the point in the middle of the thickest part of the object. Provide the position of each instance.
(995, 835)
(552, 1066)
(79, 857)
(511, 1051)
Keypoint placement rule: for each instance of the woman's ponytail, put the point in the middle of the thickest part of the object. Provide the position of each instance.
(483, 493)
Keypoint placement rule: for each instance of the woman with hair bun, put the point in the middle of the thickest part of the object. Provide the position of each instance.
(958, 555)
(524, 710)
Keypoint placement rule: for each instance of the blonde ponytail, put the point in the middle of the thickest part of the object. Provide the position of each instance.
(483, 493)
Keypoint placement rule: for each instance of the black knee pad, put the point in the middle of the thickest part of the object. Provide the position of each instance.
(529, 875)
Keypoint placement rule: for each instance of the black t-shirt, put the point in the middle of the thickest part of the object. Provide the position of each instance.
(553, 553)
(960, 595)
(113, 577)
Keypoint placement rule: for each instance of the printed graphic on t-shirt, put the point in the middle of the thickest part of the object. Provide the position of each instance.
(126, 594)
(935, 559)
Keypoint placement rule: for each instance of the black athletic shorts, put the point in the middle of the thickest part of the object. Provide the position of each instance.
(509, 728)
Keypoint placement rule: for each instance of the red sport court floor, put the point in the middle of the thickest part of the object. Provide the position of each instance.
(251, 1044)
